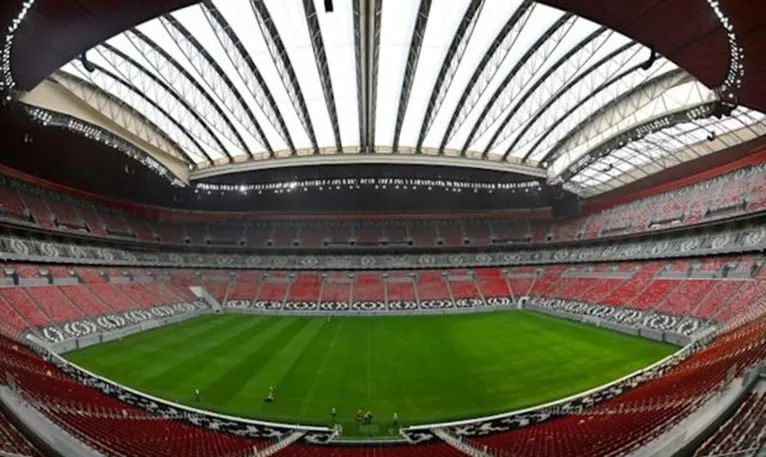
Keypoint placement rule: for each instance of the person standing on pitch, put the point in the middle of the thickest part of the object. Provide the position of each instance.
(333, 414)
(396, 420)
(196, 394)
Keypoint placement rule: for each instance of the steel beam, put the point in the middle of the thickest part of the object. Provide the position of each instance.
(560, 93)
(449, 67)
(360, 55)
(487, 69)
(566, 115)
(374, 20)
(582, 45)
(634, 133)
(156, 56)
(284, 67)
(169, 90)
(99, 92)
(634, 98)
(558, 30)
(247, 70)
(320, 57)
(413, 56)
(227, 92)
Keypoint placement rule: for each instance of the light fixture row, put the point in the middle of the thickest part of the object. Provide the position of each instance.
(374, 183)
(733, 80)
(6, 75)
(52, 119)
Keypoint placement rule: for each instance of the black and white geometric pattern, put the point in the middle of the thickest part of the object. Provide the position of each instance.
(499, 301)
(108, 322)
(267, 304)
(683, 325)
(722, 239)
(375, 306)
(334, 306)
(436, 304)
(469, 302)
(403, 305)
(238, 304)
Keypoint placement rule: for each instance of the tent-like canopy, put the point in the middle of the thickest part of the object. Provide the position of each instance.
(507, 84)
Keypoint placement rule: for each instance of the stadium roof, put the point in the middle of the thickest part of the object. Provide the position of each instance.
(512, 85)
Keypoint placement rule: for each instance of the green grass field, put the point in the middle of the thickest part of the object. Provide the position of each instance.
(425, 368)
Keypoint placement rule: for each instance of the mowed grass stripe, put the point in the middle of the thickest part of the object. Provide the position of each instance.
(279, 366)
(315, 359)
(251, 359)
(114, 356)
(210, 366)
(425, 368)
(189, 366)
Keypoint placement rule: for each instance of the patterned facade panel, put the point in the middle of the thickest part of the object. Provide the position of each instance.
(652, 320)
(80, 328)
(723, 240)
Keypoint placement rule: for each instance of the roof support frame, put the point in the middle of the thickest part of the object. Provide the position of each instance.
(633, 168)
(413, 56)
(582, 45)
(564, 90)
(668, 153)
(449, 68)
(175, 75)
(619, 107)
(684, 144)
(634, 133)
(62, 79)
(284, 68)
(557, 31)
(745, 125)
(688, 146)
(320, 57)
(360, 57)
(243, 63)
(199, 57)
(374, 18)
(598, 90)
(124, 58)
(487, 68)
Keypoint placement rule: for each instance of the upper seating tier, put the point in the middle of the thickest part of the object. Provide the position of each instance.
(736, 193)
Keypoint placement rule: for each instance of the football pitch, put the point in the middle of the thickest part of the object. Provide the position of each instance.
(425, 368)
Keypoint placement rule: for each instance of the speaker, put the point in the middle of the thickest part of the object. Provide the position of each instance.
(86, 63)
(565, 204)
(650, 61)
(328, 6)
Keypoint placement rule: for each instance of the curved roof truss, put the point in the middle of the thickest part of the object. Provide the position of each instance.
(218, 83)
(151, 85)
(190, 89)
(284, 67)
(450, 66)
(515, 83)
(583, 51)
(248, 72)
(412, 65)
(86, 89)
(666, 148)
